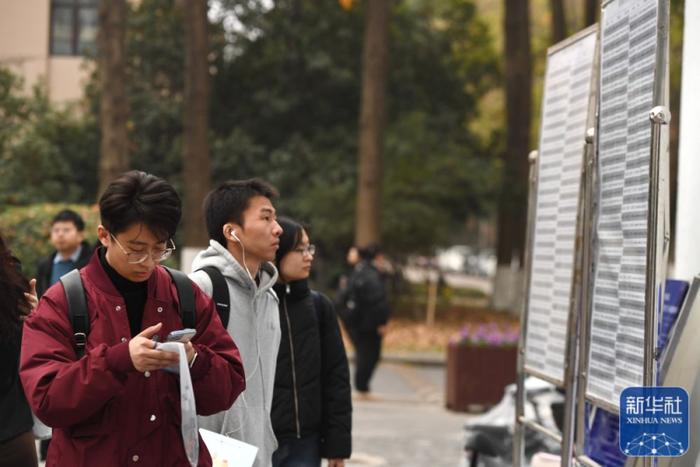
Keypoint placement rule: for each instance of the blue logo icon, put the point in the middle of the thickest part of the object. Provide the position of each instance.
(654, 421)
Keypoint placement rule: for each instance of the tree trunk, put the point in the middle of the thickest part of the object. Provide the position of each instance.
(558, 20)
(372, 117)
(114, 109)
(512, 203)
(196, 164)
(592, 7)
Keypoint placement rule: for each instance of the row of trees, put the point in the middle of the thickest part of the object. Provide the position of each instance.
(368, 116)
(368, 212)
(285, 90)
(114, 113)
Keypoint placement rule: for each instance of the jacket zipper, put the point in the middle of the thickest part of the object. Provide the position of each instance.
(294, 373)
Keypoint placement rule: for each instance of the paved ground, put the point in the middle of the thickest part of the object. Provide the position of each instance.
(407, 426)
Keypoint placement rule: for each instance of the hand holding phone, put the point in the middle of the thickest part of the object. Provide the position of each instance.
(181, 335)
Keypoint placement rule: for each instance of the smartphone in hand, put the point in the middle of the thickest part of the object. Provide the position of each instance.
(181, 335)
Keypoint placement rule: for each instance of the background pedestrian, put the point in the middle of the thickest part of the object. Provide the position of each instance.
(366, 312)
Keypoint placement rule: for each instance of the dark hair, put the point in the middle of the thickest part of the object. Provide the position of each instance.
(290, 238)
(228, 202)
(369, 252)
(13, 304)
(137, 197)
(68, 215)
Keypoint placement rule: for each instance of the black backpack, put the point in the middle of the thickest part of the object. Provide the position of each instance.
(219, 293)
(77, 305)
(223, 302)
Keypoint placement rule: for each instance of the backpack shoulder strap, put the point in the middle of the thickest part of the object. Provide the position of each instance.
(77, 309)
(185, 295)
(219, 293)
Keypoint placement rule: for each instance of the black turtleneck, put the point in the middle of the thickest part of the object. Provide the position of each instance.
(133, 293)
(296, 291)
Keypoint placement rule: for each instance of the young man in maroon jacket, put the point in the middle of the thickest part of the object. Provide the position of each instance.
(112, 407)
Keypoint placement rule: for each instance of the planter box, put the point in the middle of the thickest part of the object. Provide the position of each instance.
(477, 375)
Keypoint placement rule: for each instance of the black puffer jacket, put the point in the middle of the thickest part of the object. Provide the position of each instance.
(312, 387)
(363, 304)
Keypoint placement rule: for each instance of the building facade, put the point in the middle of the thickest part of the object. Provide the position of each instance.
(49, 42)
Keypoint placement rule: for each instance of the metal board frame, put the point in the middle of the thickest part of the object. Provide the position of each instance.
(658, 237)
(571, 351)
(657, 213)
(556, 215)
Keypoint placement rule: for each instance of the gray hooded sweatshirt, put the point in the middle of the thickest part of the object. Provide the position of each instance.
(255, 328)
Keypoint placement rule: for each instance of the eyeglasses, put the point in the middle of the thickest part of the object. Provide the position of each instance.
(306, 250)
(136, 257)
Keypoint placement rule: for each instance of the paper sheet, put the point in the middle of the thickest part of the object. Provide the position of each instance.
(628, 66)
(228, 452)
(567, 90)
(188, 424)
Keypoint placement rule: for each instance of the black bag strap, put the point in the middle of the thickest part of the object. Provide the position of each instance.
(219, 293)
(185, 295)
(77, 309)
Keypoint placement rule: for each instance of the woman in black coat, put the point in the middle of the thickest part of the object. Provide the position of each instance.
(311, 405)
(17, 447)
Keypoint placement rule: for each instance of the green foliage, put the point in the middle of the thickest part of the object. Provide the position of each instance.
(291, 94)
(46, 153)
(26, 230)
(285, 93)
(433, 183)
(155, 86)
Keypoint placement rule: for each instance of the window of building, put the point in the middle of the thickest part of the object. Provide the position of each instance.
(73, 26)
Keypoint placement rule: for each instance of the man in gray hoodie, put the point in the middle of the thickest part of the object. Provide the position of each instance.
(244, 236)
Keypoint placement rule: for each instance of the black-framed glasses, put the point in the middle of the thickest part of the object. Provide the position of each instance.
(306, 250)
(134, 257)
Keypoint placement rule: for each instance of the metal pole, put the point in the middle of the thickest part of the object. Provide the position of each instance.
(585, 322)
(588, 201)
(519, 429)
(541, 429)
(657, 235)
(660, 117)
(574, 325)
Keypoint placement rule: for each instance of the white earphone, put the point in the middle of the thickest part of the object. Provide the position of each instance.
(234, 237)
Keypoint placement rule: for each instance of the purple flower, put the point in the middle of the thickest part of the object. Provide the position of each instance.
(488, 334)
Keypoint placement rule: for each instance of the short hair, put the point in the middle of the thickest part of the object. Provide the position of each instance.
(370, 251)
(290, 238)
(140, 198)
(68, 215)
(228, 202)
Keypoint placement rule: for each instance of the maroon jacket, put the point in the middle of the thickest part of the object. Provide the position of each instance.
(103, 411)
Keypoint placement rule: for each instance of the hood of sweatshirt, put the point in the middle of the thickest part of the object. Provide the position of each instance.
(219, 257)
